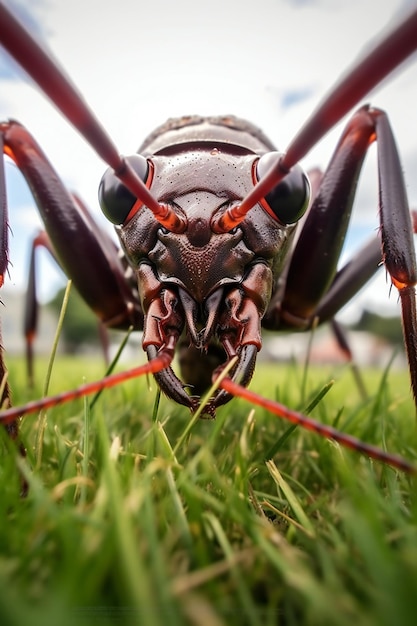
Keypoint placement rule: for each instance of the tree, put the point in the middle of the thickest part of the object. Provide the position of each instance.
(80, 325)
(388, 328)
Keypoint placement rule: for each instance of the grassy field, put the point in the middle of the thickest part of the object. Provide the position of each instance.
(244, 520)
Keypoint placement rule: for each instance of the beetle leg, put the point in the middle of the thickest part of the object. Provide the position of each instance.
(316, 254)
(12, 427)
(397, 236)
(350, 279)
(31, 301)
(313, 288)
(32, 307)
(83, 249)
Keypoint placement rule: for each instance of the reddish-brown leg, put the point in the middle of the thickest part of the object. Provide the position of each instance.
(31, 302)
(314, 261)
(83, 250)
(13, 427)
(314, 291)
(397, 236)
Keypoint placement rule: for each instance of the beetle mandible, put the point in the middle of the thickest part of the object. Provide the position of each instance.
(206, 216)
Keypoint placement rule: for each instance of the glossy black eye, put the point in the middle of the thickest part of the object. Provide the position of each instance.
(116, 201)
(289, 200)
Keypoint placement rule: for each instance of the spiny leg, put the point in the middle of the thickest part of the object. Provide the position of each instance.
(398, 252)
(12, 428)
(344, 345)
(397, 236)
(350, 279)
(32, 305)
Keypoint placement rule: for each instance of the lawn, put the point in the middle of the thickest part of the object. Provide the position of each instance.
(131, 519)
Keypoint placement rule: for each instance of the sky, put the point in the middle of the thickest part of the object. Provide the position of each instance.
(138, 63)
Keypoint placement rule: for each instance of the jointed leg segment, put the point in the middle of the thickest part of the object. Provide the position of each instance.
(314, 289)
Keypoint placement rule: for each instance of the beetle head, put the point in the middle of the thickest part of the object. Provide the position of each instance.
(213, 287)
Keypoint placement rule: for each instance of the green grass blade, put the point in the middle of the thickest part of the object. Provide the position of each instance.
(41, 425)
(291, 497)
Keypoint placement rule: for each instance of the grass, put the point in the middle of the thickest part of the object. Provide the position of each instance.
(124, 525)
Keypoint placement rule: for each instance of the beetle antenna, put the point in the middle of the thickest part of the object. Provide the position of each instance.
(160, 362)
(324, 430)
(368, 71)
(50, 77)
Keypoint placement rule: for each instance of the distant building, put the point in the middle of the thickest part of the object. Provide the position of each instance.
(367, 349)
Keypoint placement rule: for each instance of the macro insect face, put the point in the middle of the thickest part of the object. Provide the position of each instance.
(216, 285)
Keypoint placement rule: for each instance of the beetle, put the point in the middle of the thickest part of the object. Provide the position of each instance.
(206, 214)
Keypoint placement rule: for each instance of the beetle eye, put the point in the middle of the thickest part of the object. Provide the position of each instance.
(116, 201)
(288, 201)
